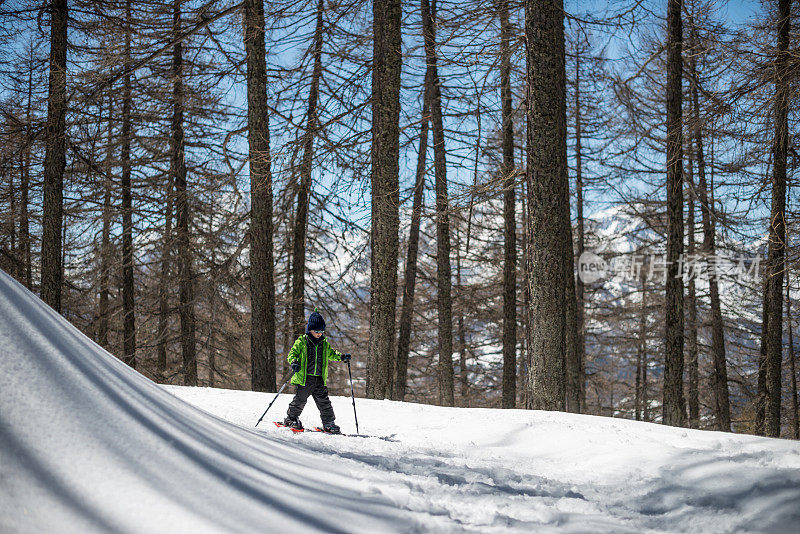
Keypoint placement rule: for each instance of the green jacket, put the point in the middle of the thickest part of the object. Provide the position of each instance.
(299, 352)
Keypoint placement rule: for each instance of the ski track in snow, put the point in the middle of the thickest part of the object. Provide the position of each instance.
(481, 470)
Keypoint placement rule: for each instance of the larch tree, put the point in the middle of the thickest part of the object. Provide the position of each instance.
(55, 158)
(412, 253)
(178, 171)
(385, 177)
(443, 270)
(674, 407)
(262, 285)
(128, 282)
(719, 378)
(301, 214)
(548, 232)
(509, 178)
(769, 412)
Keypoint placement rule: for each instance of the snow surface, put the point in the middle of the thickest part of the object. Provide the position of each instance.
(89, 445)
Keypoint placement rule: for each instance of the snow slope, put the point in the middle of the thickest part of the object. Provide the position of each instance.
(88, 445)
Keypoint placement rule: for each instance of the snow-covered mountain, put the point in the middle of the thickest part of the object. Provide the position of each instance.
(89, 445)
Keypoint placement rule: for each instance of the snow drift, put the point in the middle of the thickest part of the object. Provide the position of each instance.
(89, 445)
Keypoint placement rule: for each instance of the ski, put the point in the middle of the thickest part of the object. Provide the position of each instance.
(281, 425)
(318, 429)
(321, 431)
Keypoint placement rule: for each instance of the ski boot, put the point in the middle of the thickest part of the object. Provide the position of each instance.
(293, 422)
(331, 428)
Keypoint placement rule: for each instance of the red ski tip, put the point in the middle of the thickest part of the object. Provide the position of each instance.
(281, 425)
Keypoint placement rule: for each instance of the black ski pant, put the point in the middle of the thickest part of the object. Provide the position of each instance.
(314, 387)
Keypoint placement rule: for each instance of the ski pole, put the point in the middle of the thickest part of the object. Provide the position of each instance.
(285, 381)
(352, 394)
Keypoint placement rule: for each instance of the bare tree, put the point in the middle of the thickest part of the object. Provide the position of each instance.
(55, 158)
(128, 283)
(769, 413)
(548, 204)
(105, 246)
(691, 305)
(385, 174)
(674, 408)
(301, 215)
(509, 215)
(410, 278)
(262, 285)
(178, 170)
(444, 282)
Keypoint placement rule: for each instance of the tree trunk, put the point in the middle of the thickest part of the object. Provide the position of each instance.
(128, 288)
(526, 296)
(791, 356)
(16, 271)
(55, 158)
(444, 301)
(508, 174)
(385, 178)
(262, 284)
(719, 378)
(178, 169)
(580, 316)
(409, 284)
(548, 204)
(24, 225)
(462, 338)
(301, 218)
(165, 282)
(691, 305)
(772, 331)
(674, 406)
(640, 399)
(105, 247)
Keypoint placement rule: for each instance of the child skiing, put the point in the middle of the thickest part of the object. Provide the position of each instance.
(309, 358)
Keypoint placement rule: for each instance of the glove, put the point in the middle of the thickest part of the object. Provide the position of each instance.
(345, 358)
(295, 366)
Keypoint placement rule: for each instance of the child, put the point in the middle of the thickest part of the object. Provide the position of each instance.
(309, 358)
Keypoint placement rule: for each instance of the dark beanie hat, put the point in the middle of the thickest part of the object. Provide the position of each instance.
(315, 322)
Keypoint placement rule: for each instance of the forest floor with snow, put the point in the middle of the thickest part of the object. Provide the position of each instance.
(87, 445)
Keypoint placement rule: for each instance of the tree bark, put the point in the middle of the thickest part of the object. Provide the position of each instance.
(164, 282)
(444, 301)
(674, 406)
(24, 225)
(579, 286)
(508, 174)
(719, 377)
(262, 284)
(16, 270)
(691, 305)
(105, 247)
(409, 284)
(385, 178)
(128, 288)
(640, 401)
(548, 204)
(178, 169)
(791, 355)
(301, 218)
(772, 331)
(55, 159)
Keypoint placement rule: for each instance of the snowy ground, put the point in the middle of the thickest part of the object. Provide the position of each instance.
(490, 471)
(89, 445)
